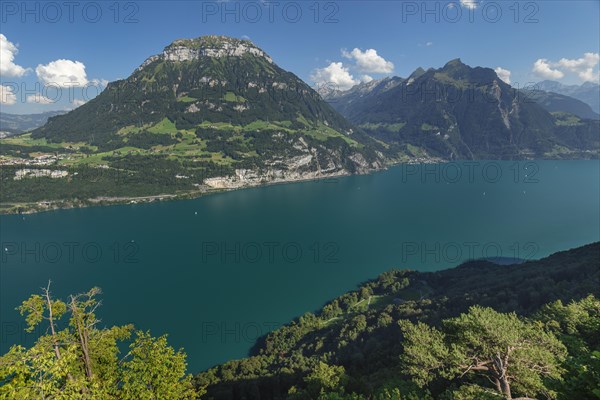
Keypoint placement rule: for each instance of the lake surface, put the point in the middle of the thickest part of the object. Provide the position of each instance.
(219, 271)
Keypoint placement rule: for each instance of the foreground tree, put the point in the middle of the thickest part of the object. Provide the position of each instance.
(514, 355)
(81, 361)
(577, 325)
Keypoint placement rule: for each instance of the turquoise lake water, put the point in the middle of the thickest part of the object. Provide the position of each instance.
(219, 271)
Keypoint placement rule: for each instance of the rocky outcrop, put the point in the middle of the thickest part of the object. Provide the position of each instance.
(299, 168)
(38, 173)
(207, 46)
(247, 178)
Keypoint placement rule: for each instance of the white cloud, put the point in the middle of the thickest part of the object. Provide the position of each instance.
(8, 51)
(588, 60)
(7, 96)
(366, 78)
(369, 61)
(78, 102)
(38, 98)
(543, 68)
(428, 44)
(583, 67)
(64, 73)
(503, 74)
(335, 74)
(589, 75)
(470, 4)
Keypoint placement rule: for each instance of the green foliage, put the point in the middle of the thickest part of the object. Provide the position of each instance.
(471, 392)
(325, 378)
(577, 324)
(154, 371)
(82, 361)
(368, 341)
(515, 354)
(404, 336)
(426, 353)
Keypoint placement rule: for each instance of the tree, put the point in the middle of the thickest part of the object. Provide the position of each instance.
(325, 378)
(577, 325)
(81, 361)
(513, 354)
(154, 371)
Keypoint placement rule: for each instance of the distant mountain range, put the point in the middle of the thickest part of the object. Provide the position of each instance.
(587, 92)
(554, 102)
(461, 112)
(12, 124)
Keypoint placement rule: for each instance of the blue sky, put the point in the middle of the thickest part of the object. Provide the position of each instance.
(344, 41)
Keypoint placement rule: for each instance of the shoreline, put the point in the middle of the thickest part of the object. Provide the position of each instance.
(103, 201)
(57, 205)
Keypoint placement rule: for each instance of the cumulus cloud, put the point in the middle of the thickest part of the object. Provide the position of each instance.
(335, 74)
(8, 51)
(428, 44)
(503, 74)
(588, 75)
(64, 73)
(366, 78)
(583, 67)
(38, 98)
(543, 68)
(369, 61)
(7, 95)
(470, 4)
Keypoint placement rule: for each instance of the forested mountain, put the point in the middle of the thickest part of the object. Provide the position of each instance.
(231, 96)
(205, 114)
(356, 346)
(460, 112)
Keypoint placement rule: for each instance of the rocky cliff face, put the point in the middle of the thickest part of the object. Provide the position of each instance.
(309, 165)
(206, 46)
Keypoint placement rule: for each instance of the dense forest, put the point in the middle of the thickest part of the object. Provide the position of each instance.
(475, 332)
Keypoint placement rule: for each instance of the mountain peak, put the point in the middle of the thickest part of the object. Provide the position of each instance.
(455, 62)
(213, 46)
(416, 74)
(459, 71)
(455, 65)
(210, 41)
